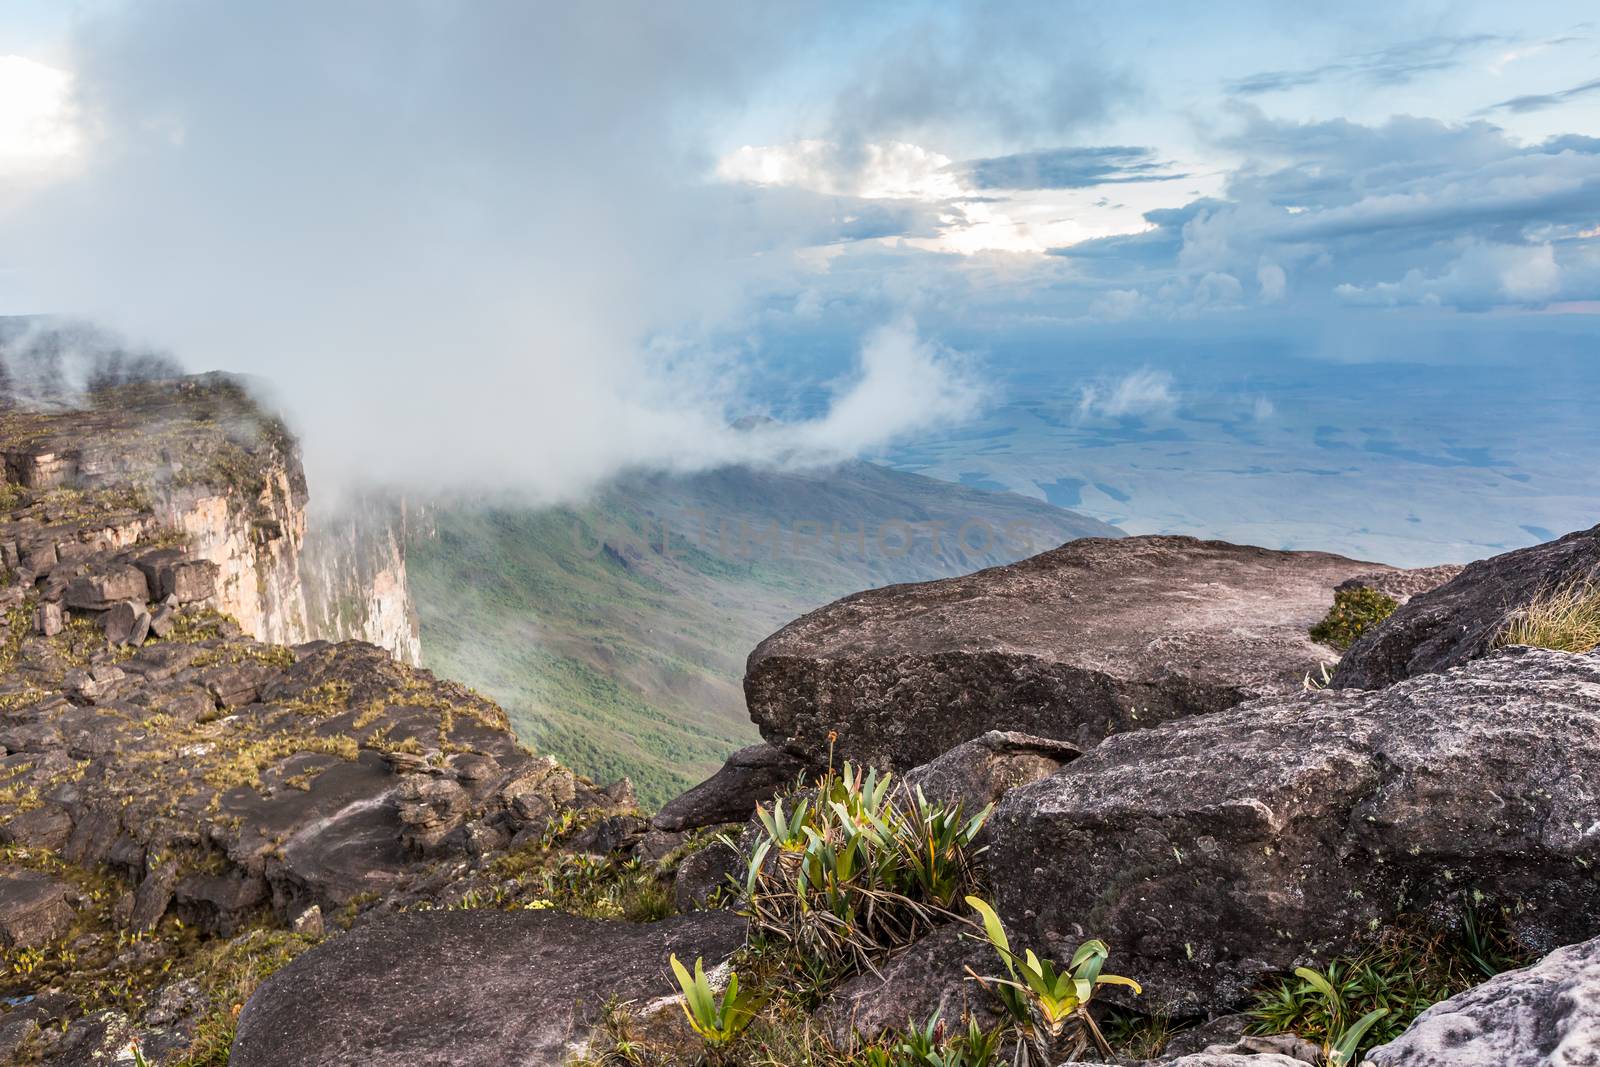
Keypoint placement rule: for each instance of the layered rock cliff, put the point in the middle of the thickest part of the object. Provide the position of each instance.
(199, 459)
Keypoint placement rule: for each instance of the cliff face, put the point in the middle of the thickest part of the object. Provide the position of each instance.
(205, 461)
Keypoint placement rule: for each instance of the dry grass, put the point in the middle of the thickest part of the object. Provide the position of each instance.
(1566, 619)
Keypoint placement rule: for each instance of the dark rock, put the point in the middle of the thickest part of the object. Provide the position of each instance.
(1213, 851)
(219, 902)
(126, 623)
(163, 620)
(233, 686)
(431, 808)
(751, 776)
(43, 827)
(466, 988)
(1089, 639)
(928, 977)
(981, 771)
(704, 872)
(150, 900)
(1464, 618)
(1547, 1015)
(115, 583)
(33, 908)
(95, 1040)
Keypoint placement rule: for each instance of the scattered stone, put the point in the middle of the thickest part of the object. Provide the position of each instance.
(187, 581)
(48, 619)
(1092, 638)
(309, 922)
(234, 686)
(1214, 851)
(433, 987)
(751, 776)
(150, 900)
(1546, 1015)
(164, 620)
(1465, 618)
(33, 908)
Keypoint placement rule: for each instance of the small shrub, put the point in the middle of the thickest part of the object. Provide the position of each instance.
(1354, 612)
(859, 869)
(1566, 619)
(1049, 1008)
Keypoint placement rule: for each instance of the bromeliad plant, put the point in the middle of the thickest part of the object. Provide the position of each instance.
(1343, 1039)
(859, 868)
(1049, 1008)
(718, 1022)
(930, 1045)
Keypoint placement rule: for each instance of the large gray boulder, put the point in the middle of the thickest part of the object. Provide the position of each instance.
(1464, 618)
(1213, 851)
(1547, 1015)
(466, 988)
(928, 978)
(1092, 638)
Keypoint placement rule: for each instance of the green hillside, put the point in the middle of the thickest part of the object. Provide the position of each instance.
(622, 650)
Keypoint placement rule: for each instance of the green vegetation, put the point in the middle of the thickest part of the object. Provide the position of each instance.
(622, 652)
(859, 869)
(1354, 612)
(1049, 1008)
(1359, 1002)
(717, 1021)
(1566, 619)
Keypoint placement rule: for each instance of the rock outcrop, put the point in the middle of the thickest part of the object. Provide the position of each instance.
(1547, 1015)
(195, 468)
(926, 979)
(1215, 850)
(1466, 617)
(519, 989)
(1092, 638)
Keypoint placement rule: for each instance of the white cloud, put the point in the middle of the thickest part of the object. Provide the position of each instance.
(1143, 393)
(894, 169)
(1483, 275)
(1273, 281)
(37, 131)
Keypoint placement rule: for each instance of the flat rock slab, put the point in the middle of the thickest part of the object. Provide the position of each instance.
(33, 908)
(1086, 640)
(1547, 1015)
(1464, 618)
(1214, 851)
(466, 988)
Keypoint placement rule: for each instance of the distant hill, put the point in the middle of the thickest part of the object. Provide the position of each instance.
(615, 633)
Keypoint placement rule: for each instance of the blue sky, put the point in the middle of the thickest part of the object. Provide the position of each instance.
(630, 222)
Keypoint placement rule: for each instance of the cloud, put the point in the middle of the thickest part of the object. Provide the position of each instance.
(1067, 168)
(1482, 276)
(1540, 101)
(1396, 64)
(459, 271)
(1145, 393)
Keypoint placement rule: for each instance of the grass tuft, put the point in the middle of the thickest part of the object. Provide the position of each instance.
(1566, 620)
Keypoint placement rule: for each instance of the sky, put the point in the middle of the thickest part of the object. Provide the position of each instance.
(525, 247)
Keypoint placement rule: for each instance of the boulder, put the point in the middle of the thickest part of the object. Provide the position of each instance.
(518, 989)
(127, 623)
(1464, 618)
(33, 909)
(981, 771)
(750, 776)
(187, 581)
(702, 873)
(928, 977)
(1089, 639)
(1547, 1015)
(1216, 850)
(99, 592)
